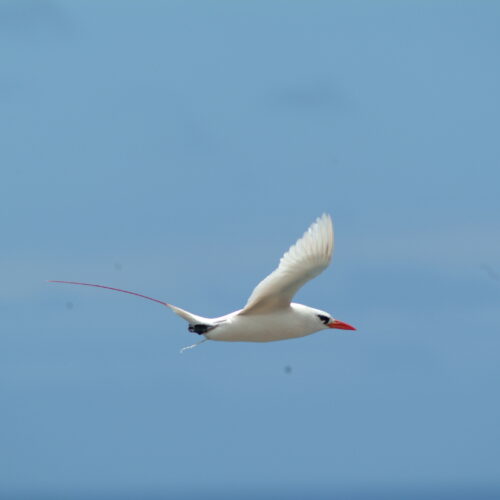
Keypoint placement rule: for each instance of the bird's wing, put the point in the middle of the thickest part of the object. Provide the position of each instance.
(303, 261)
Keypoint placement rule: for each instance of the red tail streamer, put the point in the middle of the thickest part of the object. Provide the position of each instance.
(109, 288)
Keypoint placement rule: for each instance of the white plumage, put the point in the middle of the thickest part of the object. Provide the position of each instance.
(269, 313)
(303, 262)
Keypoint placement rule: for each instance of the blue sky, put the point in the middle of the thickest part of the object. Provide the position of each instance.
(178, 149)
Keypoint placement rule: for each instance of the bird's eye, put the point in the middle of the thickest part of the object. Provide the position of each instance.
(324, 319)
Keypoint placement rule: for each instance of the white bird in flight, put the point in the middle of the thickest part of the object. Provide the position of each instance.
(269, 313)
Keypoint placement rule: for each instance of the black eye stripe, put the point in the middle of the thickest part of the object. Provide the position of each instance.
(324, 319)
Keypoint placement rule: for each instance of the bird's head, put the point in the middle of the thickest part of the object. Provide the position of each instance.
(327, 321)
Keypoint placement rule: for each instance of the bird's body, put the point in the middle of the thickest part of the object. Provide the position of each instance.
(269, 313)
(288, 323)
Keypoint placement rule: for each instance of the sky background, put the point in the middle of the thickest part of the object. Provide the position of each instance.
(177, 149)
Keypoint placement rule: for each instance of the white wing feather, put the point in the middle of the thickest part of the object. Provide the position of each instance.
(303, 261)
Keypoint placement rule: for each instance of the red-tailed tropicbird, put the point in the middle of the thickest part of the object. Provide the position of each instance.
(269, 313)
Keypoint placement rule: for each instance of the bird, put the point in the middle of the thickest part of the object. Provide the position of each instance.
(269, 313)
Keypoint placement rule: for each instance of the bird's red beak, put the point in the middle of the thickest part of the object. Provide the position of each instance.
(335, 323)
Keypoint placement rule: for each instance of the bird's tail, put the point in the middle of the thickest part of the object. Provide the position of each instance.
(189, 317)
